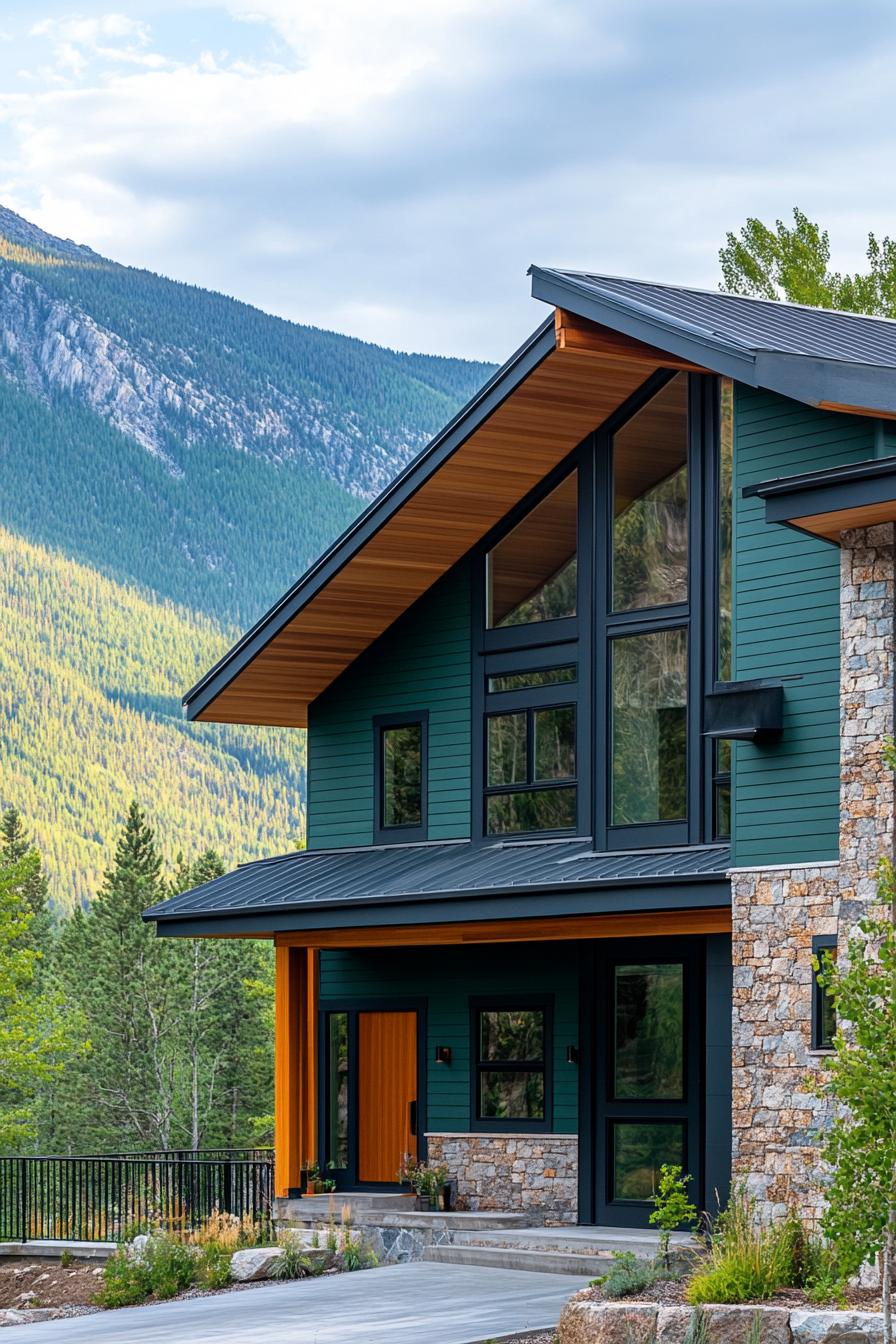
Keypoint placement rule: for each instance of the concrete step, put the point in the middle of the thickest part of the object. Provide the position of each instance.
(521, 1258)
(586, 1240)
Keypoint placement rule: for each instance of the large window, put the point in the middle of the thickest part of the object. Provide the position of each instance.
(401, 777)
(649, 727)
(532, 572)
(530, 770)
(511, 1054)
(650, 502)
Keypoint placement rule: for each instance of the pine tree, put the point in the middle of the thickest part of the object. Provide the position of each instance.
(15, 848)
(124, 980)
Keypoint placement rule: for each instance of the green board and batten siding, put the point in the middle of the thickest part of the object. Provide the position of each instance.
(786, 624)
(421, 663)
(446, 978)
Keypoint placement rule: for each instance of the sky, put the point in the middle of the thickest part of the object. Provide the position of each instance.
(390, 168)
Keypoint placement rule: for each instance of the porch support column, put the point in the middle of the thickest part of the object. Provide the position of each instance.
(295, 1025)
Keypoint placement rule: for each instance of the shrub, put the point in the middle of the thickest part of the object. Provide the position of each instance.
(65, 1259)
(356, 1254)
(630, 1275)
(125, 1282)
(671, 1206)
(213, 1266)
(172, 1265)
(748, 1261)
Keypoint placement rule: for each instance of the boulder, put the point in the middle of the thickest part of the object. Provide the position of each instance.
(734, 1324)
(836, 1327)
(254, 1263)
(608, 1323)
(136, 1249)
(672, 1324)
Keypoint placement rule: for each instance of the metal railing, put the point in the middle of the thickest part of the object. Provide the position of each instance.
(109, 1197)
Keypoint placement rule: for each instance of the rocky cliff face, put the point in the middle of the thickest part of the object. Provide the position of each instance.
(170, 365)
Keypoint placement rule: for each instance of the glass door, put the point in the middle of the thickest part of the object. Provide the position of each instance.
(648, 1082)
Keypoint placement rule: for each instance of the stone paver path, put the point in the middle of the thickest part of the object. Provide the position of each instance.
(401, 1304)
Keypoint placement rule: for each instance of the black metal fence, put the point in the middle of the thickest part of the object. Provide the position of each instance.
(109, 1197)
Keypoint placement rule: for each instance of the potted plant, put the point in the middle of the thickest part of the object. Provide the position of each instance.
(426, 1180)
(315, 1183)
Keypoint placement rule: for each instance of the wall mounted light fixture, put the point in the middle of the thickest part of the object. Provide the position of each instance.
(443, 1054)
(572, 1054)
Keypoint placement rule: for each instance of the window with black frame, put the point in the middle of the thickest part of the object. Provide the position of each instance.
(531, 769)
(511, 1064)
(400, 745)
(824, 1017)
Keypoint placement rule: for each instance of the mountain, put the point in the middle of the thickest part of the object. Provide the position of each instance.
(244, 442)
(170, 461)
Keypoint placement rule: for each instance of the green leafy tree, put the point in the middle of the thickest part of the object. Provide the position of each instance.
(36, 1038)
(793, 262)
(860, 1079)
(671, 1206)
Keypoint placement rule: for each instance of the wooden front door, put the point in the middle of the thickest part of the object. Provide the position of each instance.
(387, 1093)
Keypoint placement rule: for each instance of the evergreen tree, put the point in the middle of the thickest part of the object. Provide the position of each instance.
(35, 1037)
(123, 978)
(17, 851)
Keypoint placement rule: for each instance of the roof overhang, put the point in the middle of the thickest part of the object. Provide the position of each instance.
(562, 383)
(827, 503)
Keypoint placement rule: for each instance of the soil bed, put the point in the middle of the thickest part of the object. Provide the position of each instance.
(52, 1285)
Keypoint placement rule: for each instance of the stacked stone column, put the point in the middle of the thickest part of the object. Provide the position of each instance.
(777, 911)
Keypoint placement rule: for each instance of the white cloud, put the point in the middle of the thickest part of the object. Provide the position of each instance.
(391, 169)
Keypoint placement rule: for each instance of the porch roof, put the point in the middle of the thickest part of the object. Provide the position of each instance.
(433, 882)
(826, 503)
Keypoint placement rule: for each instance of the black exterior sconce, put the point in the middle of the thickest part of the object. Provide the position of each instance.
(443, 1054)
(572, 1054)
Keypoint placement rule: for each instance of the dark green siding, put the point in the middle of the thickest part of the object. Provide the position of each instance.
(446, 978)
(422, 662)
(786, 624)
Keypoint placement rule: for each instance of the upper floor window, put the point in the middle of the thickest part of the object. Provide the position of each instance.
(650, 502)
(401, 777)
(532, 572)
(531, 770)
(649, 727)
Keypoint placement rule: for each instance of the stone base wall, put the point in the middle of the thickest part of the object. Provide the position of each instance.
(775, 915)
(535, 1174)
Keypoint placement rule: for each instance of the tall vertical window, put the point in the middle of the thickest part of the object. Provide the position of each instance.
(532, 573)
(511, 1054)
(650, 502)
(721, 751)
(649, 727)
(401, 777)
(337, 1089)
(824, 1018)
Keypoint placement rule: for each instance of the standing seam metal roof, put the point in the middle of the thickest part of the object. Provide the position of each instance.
(756, 324)
(347, 877)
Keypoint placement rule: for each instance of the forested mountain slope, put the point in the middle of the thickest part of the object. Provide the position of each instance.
(171, 460)
(91, 674)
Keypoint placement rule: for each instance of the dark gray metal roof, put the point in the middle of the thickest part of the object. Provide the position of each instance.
(816, 355)
(340, 879)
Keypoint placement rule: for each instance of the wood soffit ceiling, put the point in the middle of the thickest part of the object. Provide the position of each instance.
(590, 372)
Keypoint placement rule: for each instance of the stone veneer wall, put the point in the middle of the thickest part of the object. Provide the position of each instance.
(777, 911)
(535, 1174)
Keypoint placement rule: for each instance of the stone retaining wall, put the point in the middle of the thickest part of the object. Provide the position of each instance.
(587, 1322)
(535, 1174)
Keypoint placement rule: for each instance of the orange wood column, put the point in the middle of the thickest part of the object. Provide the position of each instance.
(295, 1018)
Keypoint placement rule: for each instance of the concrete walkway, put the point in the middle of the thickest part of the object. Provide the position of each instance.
(401, 1304)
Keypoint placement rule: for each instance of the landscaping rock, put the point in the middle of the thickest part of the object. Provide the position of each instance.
(672, 1324)
(734, 1325)
(255, 1263)
(608, 1323)
(137, 1248)
(836, 1327)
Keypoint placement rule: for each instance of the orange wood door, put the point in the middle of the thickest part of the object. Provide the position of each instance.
(387, 1085)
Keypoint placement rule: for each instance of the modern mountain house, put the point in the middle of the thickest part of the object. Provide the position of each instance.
(595, 694)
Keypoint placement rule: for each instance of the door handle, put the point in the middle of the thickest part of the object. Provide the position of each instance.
(412, 1116)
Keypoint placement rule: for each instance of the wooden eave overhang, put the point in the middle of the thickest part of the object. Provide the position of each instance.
(826, 503)
(560, 385)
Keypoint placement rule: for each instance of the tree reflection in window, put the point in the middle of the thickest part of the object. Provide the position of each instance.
(511, 1064)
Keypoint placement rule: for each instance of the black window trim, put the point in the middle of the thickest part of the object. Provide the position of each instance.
(395, 835)
(529, 703)
(523, 1003)
(821, 943)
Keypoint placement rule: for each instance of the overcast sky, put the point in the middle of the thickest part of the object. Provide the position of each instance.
(389, 168)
